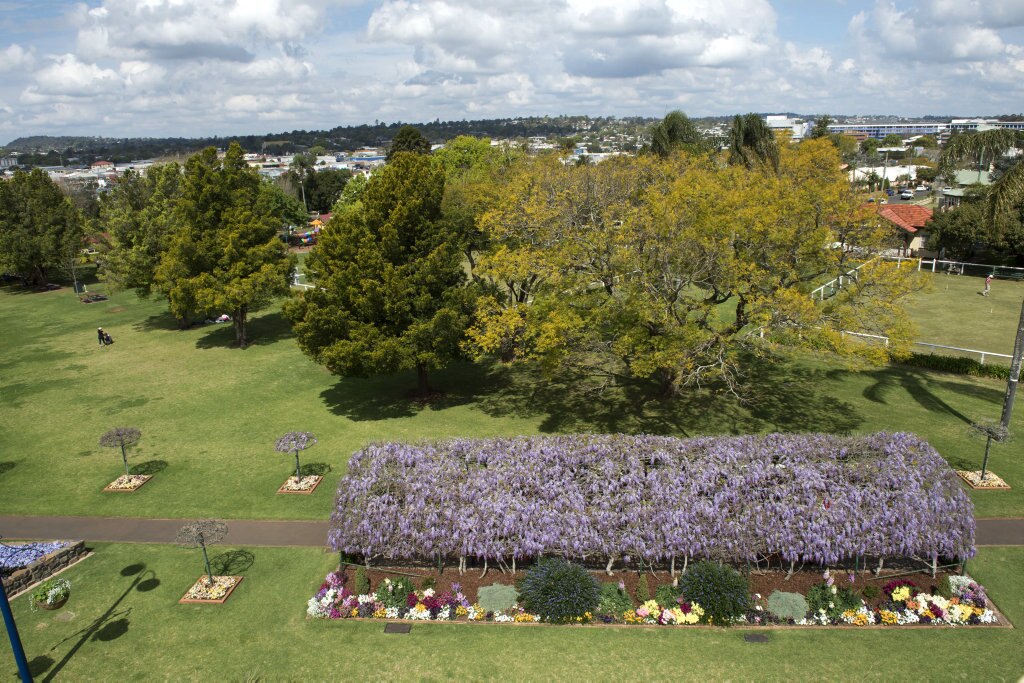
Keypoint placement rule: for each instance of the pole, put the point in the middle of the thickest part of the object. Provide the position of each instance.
(12, 633)
(1011, 385)
(984, 462)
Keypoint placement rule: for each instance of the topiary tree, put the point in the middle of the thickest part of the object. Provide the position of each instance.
(787, 606)
(293, 442)
(200, 534)
(497, 597)
(559, 591)
(121, 437)
(720, 590)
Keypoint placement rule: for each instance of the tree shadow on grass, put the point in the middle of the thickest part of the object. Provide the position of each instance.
(919, 386)
(314, 469)
(774, 397)
(157, 321)
(262, 331)
(6, 466)
(232, 562)
(394, 396)
(149, 467)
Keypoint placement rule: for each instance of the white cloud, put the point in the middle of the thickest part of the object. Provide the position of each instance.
(70, 77)
(14, 58)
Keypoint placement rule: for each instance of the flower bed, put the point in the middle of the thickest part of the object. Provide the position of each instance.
(15, 556)
(202, 592)
(127, 483)
(974, 480)
(24, 564)
(899, 603)
(801, 498)
(306, 485)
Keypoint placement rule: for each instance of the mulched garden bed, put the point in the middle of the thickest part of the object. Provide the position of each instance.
(762, 584)
(992, 482)
(304, 486)
(127, 483)
(202, 593)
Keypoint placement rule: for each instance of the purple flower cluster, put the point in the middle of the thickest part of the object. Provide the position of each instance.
(15, 556)
(811, 497)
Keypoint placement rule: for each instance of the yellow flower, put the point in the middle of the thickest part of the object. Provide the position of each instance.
(461, 611)
(420, 607)
(889, 617)
(902, 593)
(380, 614)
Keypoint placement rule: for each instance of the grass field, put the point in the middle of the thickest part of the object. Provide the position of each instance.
(123, 623)
(953, 313)
(209, 413)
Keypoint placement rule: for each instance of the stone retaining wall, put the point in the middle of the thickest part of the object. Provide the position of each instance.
(44, 567)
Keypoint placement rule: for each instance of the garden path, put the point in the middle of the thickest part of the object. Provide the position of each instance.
(306, 533)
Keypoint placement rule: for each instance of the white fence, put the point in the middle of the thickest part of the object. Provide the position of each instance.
(961, 268)
(832, 286)
(981, 354)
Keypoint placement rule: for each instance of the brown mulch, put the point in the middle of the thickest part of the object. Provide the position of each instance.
(764, 583)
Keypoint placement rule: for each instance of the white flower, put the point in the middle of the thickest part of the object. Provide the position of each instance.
(834, 590)
(760, 609)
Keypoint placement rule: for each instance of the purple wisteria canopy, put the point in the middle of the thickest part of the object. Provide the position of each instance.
(808, 497)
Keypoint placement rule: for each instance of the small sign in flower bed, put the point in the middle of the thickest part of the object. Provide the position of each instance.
(202, 591)
(127, 483)
(305, 485)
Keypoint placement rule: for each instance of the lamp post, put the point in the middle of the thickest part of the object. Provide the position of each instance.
(1011, 385)
(12, 634)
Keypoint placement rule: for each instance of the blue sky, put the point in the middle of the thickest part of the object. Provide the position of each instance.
(125, 68)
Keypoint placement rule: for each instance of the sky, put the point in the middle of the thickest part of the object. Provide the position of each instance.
(191, 68)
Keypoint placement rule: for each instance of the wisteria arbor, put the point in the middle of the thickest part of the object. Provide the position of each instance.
(599, 498)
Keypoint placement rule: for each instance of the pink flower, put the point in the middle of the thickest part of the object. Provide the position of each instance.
(642, 612)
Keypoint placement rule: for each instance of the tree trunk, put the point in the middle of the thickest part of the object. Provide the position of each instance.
(298, 470)
(422, 380)
(238, 320)
(667, 381)
(124, 456)
(184, 323)
(209, 572)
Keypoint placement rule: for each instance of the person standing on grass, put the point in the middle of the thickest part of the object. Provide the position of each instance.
(988, 285)
(99, 333)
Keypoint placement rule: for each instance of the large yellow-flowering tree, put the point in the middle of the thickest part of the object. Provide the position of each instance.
(671, 269)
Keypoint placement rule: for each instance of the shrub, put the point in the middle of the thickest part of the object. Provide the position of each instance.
(497, 597)
(821, 597)
(870, 592)
(643, 589)
(427, 582)
(957, 365)
(720, 590)
(614, 600)
(787, 605)
(559, 591)
(394, 593)
(362, 582)
(667, 595)
(945, 588)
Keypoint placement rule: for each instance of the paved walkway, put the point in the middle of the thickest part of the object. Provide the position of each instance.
(306, 533)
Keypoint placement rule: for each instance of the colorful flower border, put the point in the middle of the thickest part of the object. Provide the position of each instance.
(969, 607)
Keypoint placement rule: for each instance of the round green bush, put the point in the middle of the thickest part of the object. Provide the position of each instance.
(720, 590)
(559, 591)
(787, 605)
(497, 597)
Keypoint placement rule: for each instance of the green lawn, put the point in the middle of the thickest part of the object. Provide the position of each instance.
(953, 313)
(123, 623)
(210, 413)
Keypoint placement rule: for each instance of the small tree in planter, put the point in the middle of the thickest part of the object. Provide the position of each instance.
(121, 437)
(293, 442)
(200, 534)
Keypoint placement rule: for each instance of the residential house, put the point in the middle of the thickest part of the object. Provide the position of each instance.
(910, 220)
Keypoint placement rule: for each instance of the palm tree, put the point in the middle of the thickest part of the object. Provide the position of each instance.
(1004, 193)
(752, 142)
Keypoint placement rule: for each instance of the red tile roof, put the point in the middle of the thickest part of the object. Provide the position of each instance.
(910, 217)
